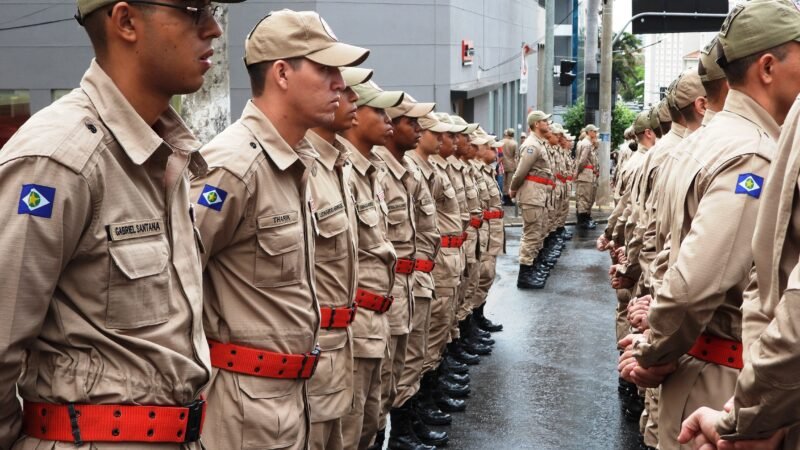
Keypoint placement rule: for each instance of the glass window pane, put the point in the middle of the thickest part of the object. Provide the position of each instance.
(58, 93)
(15, 109)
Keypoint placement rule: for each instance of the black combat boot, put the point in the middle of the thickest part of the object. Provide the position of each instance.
(401, 436)
(476, 335)
(425, 405)
(528, 278)
(590, 223)
(486, 324)
(461, 355)
(467, 343)
(452, 365)
(425, 434)
(447, 403)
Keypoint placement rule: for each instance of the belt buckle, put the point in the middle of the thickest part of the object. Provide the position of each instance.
(413, 262)
(353, 310)
(315, 355)
(387, 303)
(194, 421)
(332, 319)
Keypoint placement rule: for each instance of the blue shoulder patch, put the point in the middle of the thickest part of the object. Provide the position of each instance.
(36, 200)
(212, 197)
(750, 184)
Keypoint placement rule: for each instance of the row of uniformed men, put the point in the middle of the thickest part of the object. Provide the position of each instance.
(333, 270)
(541, 183)
(702, 249)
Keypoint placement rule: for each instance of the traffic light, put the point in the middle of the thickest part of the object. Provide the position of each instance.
(567, 76)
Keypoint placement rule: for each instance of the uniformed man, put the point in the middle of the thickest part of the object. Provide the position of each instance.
(102, 301)
(509, 161)
(694, 347)
(586, 177)
(330, 392)
(563, 180)
(257, 219)
(376, 262)
(533, 180)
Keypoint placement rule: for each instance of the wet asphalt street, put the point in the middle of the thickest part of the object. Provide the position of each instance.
(551, 380)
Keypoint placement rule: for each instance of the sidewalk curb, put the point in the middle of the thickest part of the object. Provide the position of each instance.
(519, 225)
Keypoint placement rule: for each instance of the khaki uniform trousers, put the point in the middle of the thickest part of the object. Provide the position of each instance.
(360, 425)
(443, 313)
(648, 425)
(623, 299)
(327, 435)
(533, 232)
(487, 274)
(416, 348)
(584, 196)
(694, 384)
(467, 287)
(391, 370)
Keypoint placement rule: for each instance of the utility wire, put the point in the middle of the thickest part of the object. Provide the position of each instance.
(31, 25)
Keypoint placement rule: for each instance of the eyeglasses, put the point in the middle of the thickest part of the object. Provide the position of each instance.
(199, 13)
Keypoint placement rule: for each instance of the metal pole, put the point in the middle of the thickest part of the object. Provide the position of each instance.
(575, 50)
(604, 155)
(590, 50)
(549, 54)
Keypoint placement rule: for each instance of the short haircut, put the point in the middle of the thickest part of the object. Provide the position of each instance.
(675, 114)
(689, 114)
(258, 73)
(736, 71)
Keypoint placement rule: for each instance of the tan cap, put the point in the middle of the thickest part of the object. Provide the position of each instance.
(431, 123)
(687, 89)
(445, 118)
(509, 132)
(478, 139)
(591, 127)
(655, 121)
(471, 127)
(369, 94)
(557, 128)
(355, 75)
(708, 56)
(495, 143)
(756, 26)
(85, 7)
(410, 107)
(288, 34)
(642, 121)
(662, 110)
(536, 116)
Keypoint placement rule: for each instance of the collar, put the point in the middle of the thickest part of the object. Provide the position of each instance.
(707, 117)
(742, 105)
(394, 166)
(361, 164)
(424, 166)
(439, 161)
(138, 139)
(678, 129)
(273, 144)
(328, 154)
(455, 162)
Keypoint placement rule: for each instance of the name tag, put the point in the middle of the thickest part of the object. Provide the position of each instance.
(327, 212)
(137, 229)
(396, 206)
(365, 206)
(278, 220)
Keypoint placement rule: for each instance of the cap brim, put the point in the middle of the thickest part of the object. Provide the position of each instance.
(439, 127)
(420, 110)
(386, 99)
(471, 128)
(356, 75)
(339, 55)
(479, 140)
(497, 144)
(457, 128)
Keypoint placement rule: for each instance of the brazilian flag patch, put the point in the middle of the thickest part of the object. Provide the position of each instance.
(36, 200)
(212, 197)
(750, 184)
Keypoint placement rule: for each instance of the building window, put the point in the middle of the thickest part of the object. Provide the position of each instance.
(56, 94)
(15, 109)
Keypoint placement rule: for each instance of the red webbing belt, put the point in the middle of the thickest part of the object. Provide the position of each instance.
(540, 180)
(337, 317)
(561, 178)
(404, 265)
(424, 265)
(453, 241)
(79, 423)
(570, 178)
(489, 215)
(723, 352)
(475, 222)
(373, 302)
(262, 363)
(590, 167)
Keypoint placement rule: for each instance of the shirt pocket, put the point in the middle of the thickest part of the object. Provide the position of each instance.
(330, 376)
(278, 257)
(369, 233)
(139, 283)
(272, 412)
(331, 243)
(399, 227)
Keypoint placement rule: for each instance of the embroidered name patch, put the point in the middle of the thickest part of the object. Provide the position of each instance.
(36, 200)
(137, 229)
(278, 220)
(750, 184)
(365, 206)
(396, 206)
(327, 212)
(212, 197)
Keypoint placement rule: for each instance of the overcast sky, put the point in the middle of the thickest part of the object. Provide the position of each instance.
(622, 13)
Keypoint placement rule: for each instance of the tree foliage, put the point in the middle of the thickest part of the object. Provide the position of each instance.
(628, 67)
(621, 119)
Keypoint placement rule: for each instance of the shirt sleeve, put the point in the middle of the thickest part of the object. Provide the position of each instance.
(45, 209)
(528, 156)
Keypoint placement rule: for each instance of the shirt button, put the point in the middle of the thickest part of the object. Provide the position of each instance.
(91, 128)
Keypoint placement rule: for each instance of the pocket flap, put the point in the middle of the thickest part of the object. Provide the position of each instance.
(277, 239)
(139, 258)
(332, 225)
(261, 387)
(367, 213)
(329, 341)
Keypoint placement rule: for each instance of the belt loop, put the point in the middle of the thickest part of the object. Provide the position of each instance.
(332, 320)
(73, 422)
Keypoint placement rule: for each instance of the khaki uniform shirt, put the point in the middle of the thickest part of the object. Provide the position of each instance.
(485, 198)
(766, 393)
(457, 179)
(702, 290)
(330, 390)
(428, 237)
(474, 208)
(509, 156)
(400, 187)
(621, 216)
(449, 266)
(259, 288)
(376, 255)
(497, 232)
(534, 161)
(587, 156)
(101, 276)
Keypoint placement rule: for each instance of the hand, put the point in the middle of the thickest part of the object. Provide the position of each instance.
(639, 320)
(612, 271)
(622, 282)
(602, 243)
(652, 377)
(700, 429)
(512, 193)
(627, 343)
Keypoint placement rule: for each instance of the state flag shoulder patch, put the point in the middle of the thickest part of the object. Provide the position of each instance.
(36, 200)
(212, 197)
(749, 184)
